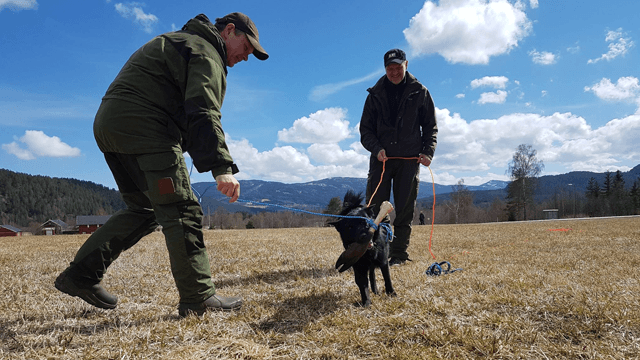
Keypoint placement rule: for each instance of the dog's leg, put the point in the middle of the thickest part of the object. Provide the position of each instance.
(372, 280)
(388, 287)
(363, 285)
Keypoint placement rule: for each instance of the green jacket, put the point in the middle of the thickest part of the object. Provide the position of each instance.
(168, 97)
(415, 130)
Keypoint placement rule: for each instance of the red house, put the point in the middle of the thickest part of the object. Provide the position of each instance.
(89, 224)
(8, 230)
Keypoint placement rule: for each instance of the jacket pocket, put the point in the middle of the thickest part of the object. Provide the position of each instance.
(167, 177)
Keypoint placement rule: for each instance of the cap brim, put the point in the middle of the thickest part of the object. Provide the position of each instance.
(397, 61)
(258, 51)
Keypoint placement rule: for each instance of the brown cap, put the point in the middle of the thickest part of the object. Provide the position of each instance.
(244, 24)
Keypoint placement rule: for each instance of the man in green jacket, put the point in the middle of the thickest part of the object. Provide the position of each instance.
(165, 101)
(398, 126)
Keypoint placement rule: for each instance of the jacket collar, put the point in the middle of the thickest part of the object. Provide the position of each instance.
(200, 25)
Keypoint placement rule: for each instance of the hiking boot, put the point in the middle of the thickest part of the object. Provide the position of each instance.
(394, 261)
(95, 295)
(213, 303)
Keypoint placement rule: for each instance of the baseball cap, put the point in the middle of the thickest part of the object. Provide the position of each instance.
(244, 24)
(394, 56)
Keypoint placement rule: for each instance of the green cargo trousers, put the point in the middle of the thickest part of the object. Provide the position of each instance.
(156, 190)
(403, 176)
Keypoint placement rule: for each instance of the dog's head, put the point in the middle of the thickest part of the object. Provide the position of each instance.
(355, 230)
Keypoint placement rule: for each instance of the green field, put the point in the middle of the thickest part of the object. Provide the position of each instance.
(528, 290)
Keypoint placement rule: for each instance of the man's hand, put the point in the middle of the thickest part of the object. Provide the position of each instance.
(382, 155)
(228, 185)
(424, 160)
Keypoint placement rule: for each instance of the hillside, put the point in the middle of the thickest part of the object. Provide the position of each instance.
(574, 182)
(27, 199)
(310, 195)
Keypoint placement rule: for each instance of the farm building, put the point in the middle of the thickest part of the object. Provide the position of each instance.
(550, 214)
(8, 230)
(52, 227)
(89, 224)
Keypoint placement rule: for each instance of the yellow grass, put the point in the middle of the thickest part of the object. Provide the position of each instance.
(525, 293)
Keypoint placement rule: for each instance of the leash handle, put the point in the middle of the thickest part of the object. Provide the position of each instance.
(385, 209)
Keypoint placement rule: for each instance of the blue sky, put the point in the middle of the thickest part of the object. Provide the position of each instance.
(561, 76)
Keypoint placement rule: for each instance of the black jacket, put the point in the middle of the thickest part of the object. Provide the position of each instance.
(415, 129)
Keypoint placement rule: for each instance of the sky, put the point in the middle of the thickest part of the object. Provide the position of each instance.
(561, 76)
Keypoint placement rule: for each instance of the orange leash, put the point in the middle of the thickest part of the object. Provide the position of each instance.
(433, 211)
(433, 184)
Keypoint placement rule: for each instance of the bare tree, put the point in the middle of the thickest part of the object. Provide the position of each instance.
(460, 201)
(523, 170)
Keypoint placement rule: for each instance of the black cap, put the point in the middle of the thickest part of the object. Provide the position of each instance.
(394, 56)
(244, 24)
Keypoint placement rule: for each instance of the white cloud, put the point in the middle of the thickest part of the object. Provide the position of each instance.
(562, 139)
(542, 58)
(574, 49)
(618, 46)
(626, 88)
(15, 149)
(17, 5)
(289, 165)
(496, 82)
(479, 146)
(321, 92)
(324, 127)
(498, 97)
(534, 4)
(135, 12)
(38, 144)
(460, 96)
(467, 31)
(333, 154)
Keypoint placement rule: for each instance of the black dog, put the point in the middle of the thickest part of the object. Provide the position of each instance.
(365, 247)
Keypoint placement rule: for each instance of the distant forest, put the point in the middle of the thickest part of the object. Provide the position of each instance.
(27, 201)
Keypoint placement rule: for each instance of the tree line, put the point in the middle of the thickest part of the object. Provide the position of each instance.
(27, 201)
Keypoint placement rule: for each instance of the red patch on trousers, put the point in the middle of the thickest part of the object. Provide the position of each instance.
(165, 186)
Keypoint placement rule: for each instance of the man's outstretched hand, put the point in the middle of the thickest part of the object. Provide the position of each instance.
(229, 186)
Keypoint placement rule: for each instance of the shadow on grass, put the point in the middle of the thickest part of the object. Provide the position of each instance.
(293, 314)
(277, 276)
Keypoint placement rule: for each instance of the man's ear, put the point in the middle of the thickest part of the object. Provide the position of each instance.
(229, 29)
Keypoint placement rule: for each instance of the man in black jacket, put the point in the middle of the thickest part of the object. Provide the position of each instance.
(399, 128)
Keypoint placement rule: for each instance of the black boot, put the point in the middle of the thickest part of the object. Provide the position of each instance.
(213, 303)
(95, 295)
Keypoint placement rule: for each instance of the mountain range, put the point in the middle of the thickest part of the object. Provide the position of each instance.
(310, 195)
(315, 195)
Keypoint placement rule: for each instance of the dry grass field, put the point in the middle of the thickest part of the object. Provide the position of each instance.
(529, 290)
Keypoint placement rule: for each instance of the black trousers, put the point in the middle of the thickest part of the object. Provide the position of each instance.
(403, 177)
